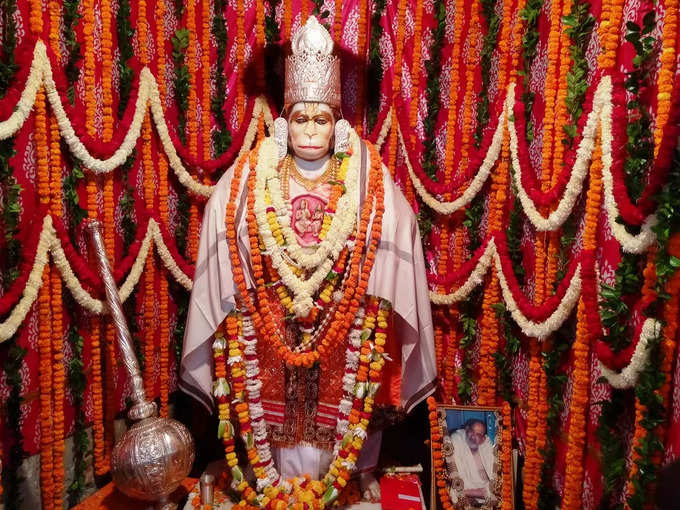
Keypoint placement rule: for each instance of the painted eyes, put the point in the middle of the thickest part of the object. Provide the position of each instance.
(321, 121)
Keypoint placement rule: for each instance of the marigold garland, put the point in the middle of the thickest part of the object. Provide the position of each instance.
(337, 21)
(507, 502)
(108, 218)
(355, 285)
(552, 83)
(56, 304)
(287, 18)
(667, 71)
(164, 316)
(531, 461)
(150, 271)
(489, 327)
(101, 463)
(240, 54)
(396, 84)
(437, 455)
(610, 25)
(45, 318)
(581, 349)
(472, 62)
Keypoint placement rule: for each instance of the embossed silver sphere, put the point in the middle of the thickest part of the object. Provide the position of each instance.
(152, 458)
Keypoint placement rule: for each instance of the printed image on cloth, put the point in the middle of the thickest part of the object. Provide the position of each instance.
(307, 218)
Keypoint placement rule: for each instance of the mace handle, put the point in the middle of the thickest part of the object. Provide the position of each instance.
(141, 408)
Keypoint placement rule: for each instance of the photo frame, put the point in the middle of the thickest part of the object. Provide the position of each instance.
(469, 444)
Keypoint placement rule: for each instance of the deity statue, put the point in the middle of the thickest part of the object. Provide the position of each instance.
(310, 287)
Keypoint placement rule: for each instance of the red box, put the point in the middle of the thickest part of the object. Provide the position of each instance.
(401, 492)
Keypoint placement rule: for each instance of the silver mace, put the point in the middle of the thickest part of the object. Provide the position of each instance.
(152, 457)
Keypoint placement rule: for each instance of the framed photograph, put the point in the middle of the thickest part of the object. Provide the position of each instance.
(471, 453)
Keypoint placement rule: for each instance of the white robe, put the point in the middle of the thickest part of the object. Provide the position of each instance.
(398, 275)
(466, 465)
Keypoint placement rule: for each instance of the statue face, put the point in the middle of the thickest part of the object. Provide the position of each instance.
(310, 129)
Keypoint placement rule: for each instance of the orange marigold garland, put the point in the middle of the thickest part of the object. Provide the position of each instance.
(44, 318)
(101, 463)
(240, 56)
(56, 304)
(109, 206)
(507, 502)
(415, 91)
(667, 70)
(581, 374)
(490, 328)
(164, 316)
(337, 21)
(530, 473)
(150, 271)
(396, 85)
(438, 456)
(608, 32)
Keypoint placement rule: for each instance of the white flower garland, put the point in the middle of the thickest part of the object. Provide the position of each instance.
(49, 243)
(302, 289)
(530, 328)
(599, 117)
(476, 277)
(543, 329)
(10, 325)
(630, 243)
(342, 223)
(627, 378)
(477, 182)
(384, 129)
(148, 96)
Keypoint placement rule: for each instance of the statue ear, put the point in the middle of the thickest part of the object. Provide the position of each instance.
(281, 136)
(342, 128)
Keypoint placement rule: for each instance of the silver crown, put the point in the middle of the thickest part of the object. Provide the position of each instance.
(312, 72)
